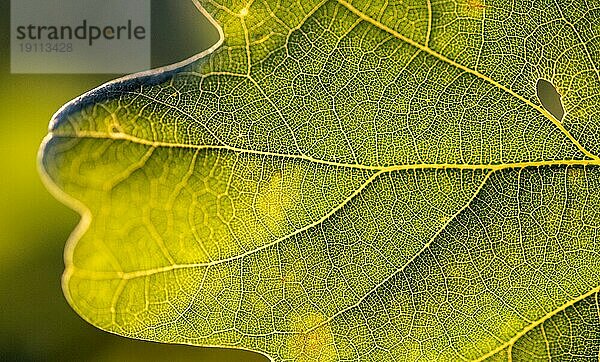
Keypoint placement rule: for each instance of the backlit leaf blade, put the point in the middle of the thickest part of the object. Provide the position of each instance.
(346, 181)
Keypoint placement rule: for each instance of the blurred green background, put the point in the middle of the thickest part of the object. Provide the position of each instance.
(36, 322)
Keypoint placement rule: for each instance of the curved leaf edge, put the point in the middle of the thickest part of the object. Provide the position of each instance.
(127, 82)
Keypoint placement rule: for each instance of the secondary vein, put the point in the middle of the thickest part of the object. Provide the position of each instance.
(439, 56)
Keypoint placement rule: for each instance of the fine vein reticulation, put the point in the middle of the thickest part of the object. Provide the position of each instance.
(346, 180)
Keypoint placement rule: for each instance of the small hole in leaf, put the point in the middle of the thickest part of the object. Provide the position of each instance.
(550, 98)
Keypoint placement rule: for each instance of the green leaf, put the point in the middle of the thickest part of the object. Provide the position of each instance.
(347, 180)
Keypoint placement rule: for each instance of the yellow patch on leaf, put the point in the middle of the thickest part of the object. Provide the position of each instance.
(312, 344)
(277, 197)
(475, 4)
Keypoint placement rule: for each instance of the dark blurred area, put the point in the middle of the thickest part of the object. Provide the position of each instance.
(36, 323)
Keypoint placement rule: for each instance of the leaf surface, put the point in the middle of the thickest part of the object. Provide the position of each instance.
(347, 181)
